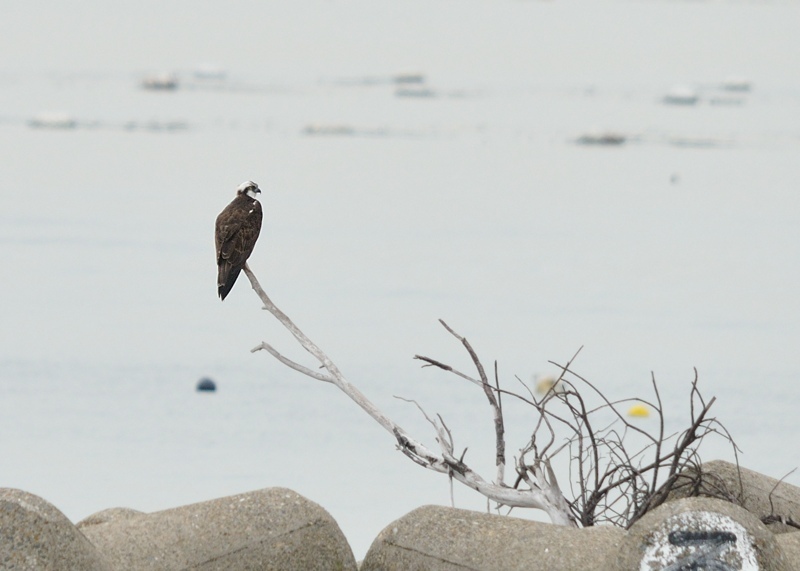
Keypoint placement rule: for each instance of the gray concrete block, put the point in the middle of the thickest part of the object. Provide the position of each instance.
(273, 529)
(720, 476)
(790, 543)
(700, 533)
(35, 536)
(436, 538)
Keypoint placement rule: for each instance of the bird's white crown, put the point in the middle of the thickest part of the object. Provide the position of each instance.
(249, 188)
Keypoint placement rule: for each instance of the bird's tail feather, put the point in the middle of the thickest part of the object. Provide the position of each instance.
(225, 279)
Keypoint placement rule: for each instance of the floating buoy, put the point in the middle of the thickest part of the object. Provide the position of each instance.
(547, 383)
(206, 384)
(639, 410)
(160, 82)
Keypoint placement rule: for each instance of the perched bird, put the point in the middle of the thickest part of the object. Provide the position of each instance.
(236, 233)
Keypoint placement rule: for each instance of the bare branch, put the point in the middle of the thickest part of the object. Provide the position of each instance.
(291, 364)
(772, 517)
(611, 480)
(499, 426)
(434, 363)
(548, 499)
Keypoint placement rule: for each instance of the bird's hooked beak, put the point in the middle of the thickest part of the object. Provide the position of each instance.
(253, 191)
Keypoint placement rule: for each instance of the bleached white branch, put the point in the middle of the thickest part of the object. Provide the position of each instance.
(291, 364)
(547, 499)
(435, 363)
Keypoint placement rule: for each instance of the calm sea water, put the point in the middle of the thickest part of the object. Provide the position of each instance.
(467, 200)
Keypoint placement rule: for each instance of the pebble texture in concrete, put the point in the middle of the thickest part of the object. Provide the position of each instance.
(35, 536)
(273, 529)
(790, 543)
(719, 475)
(436, 538)
(678, 533)
(111, 514)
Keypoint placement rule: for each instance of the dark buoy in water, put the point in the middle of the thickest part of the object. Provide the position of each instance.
(206, 384)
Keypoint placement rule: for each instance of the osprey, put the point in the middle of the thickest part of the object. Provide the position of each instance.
(236, 233)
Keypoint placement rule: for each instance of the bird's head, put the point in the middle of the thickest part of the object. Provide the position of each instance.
(249, 188)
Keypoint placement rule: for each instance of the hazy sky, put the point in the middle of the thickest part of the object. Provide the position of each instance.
(600, 39)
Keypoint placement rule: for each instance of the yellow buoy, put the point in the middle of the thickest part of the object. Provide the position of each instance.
(639, 410)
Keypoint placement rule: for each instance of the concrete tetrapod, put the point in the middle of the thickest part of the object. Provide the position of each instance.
(436, 538)
(699, 533)
(272, 529)
(759, 494)
(790, 543)
(35, 535)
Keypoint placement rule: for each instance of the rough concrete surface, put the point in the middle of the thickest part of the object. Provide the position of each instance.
(436, 538)
(35, 536)
(277, 529)
(271, 529)
(790, 543)
(712, 534)
(723, 477)
(110, 514)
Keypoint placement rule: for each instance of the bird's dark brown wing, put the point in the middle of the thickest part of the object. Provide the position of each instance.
(237, 230)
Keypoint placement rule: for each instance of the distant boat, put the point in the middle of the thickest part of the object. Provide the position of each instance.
(602, 138)
(329, 130)
(156, 125)
(160, 82)
(409, 78)
(420, 92)
(737, 84)
(681, 95)
(52, 121)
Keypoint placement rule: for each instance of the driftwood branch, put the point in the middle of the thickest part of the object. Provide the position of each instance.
(491, 393)
(543, 497)
(611, 480)
(292, 364)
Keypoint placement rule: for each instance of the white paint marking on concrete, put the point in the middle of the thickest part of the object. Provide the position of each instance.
(697, 538)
